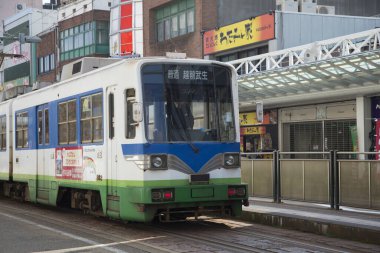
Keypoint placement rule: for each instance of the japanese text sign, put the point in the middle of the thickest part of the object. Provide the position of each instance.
(246, 32)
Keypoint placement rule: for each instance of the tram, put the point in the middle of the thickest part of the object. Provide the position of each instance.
(131, 139)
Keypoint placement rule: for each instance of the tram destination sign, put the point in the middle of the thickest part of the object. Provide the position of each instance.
(188, 73)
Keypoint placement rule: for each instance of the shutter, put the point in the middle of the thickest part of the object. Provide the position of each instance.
(338, 135)
(303, 137)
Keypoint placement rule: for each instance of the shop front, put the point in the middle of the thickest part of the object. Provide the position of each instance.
(319, 128)
(258, 136)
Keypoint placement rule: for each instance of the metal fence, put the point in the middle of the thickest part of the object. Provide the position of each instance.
(335, 178)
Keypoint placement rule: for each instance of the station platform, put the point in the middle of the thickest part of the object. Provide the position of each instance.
(347, 223)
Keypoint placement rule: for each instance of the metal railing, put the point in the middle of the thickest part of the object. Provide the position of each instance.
(334, 178)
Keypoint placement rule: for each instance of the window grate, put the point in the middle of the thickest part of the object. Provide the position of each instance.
(303, 137)
(318, 137)
(338, 135)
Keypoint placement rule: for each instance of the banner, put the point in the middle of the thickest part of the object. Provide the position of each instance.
(377, 138)
(354, 138)
(253, 30)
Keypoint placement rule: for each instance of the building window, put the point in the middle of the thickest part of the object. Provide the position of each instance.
(245, 54)
(84, 39)
(175, 19)
(67, 122)
(41, 65)
(3, 132)
(46, 63)
(102, 32)
(92, 118)
(52, 62)
(22, 130)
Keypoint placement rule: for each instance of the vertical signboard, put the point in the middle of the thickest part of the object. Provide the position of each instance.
(377, 138)
(126, 36)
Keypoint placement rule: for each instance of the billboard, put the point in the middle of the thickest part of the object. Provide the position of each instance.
(253, 30)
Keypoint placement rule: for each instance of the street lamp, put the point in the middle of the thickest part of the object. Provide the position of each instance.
(22, 38)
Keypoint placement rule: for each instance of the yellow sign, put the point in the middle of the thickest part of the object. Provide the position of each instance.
(248, 119)
(260, 28)
(252, 130)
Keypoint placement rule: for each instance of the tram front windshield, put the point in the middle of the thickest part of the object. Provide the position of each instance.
(187, 103)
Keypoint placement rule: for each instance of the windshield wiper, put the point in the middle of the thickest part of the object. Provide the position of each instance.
(193, 147)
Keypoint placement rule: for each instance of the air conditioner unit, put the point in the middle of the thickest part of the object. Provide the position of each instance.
(287, 5)
(326, 9)
(307, 6)
(20, 7)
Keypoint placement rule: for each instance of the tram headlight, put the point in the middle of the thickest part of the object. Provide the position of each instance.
(231, 160)
(158, 162)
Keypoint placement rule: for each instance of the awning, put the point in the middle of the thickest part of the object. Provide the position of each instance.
(337, 69)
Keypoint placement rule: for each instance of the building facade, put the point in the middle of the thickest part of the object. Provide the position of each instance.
(311, 125)
(126, 29)
(177, 26)
(83, 28)
(47, 52)
(20, 74)
(10, 7)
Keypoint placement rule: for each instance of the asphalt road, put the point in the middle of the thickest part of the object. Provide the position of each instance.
(26, 227)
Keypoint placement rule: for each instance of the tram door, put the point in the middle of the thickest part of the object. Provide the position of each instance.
(111, 148)
(43, 158)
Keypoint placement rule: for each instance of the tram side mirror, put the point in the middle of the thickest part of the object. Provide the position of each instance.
(137, 112)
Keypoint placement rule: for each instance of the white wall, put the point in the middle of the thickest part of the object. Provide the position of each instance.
(79, 7)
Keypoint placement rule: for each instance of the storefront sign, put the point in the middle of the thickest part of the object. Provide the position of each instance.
(243, 33)
(22, 81)
(252, 130)
(14, 48)
(250, 119)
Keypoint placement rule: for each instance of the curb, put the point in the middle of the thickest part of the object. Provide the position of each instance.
(360, 234)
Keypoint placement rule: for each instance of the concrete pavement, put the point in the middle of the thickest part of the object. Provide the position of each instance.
(347, 223)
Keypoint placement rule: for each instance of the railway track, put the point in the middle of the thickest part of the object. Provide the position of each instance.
(245, 241)
(216, 235)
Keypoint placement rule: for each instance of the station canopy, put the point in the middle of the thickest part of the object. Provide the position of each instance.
(339, 68)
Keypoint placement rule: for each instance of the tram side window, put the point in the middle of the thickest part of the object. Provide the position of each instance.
(40, 127)
(67, 122)
(47, 136)
(131, 125)
(22, 130)
(91, 120)
(3, 131)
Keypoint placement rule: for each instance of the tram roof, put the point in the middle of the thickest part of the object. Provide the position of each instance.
(336, 69)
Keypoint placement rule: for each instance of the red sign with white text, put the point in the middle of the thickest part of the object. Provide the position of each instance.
(69, 163)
